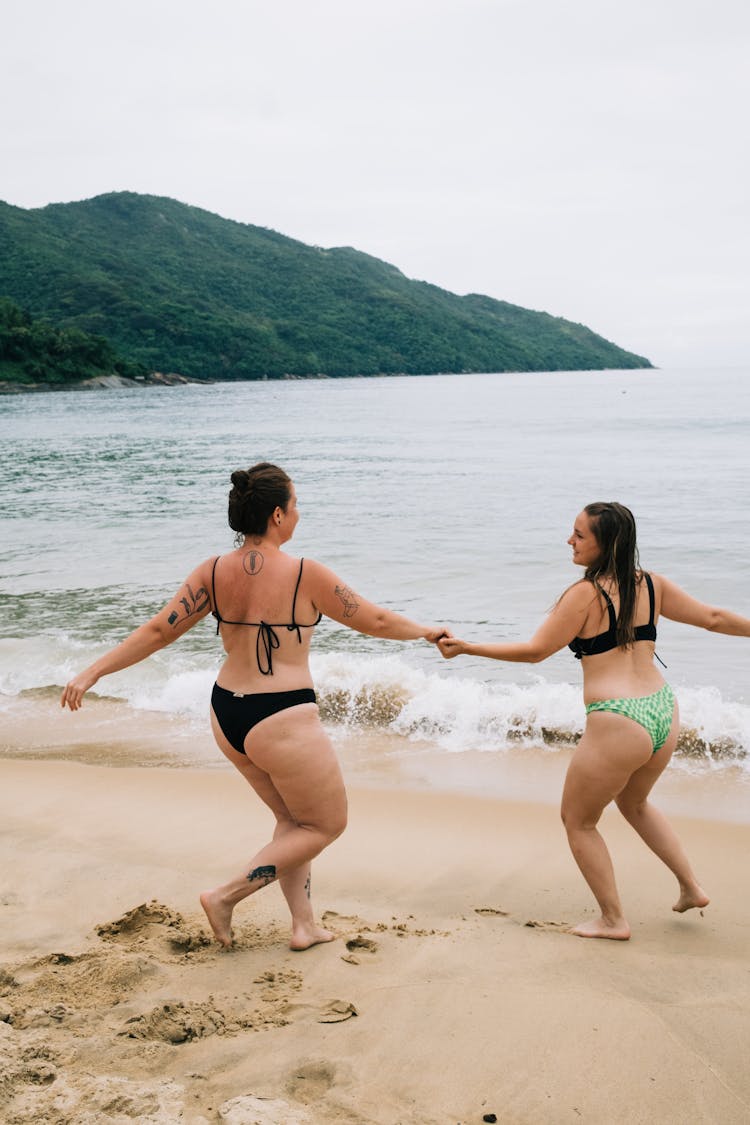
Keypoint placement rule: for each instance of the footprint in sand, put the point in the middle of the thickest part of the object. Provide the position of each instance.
(327, 1011)
(557, 927)
(336, 1011)
(176, 1022)
(492, 910)
(366, 945)
(154, 923)
(276, 984)
(341, 923)
(310, 1080)
(42, 990)
(262, 1111)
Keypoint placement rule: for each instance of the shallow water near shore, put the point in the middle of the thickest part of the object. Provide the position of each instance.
(112, 733)
(446, 497)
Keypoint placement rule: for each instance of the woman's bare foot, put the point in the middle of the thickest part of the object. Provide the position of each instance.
(306, 934)
(691, 897)
(598, 927)
(219, 915)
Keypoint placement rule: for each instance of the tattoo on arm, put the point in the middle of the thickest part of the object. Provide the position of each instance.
(349, 599)
(191, 603)
(266, 875)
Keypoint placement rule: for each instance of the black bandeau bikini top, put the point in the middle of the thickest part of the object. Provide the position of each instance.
(267, 639)
(605, 642)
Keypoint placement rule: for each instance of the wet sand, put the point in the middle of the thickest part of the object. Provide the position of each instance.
(451, 991)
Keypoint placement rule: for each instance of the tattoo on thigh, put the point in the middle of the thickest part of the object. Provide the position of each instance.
(346, 595)
(265, 874)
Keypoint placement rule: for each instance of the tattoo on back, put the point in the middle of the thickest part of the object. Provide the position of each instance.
(346, 595)
(252, 562)
(266, 874)
(191, 602)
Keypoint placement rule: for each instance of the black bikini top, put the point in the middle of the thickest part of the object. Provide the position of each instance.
(267, 639)
(605, 642)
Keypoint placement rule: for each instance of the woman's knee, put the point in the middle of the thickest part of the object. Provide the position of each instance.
(328, 826)
(285, 822)
(576, 819)
(337, 824)
(630, 807)
(570, 818)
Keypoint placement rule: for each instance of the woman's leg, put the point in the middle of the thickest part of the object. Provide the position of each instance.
(294, 770)
(654, 828)
(296, 886)
(611, 749)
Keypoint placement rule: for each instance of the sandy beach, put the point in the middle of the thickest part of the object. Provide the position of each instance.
(451, 992)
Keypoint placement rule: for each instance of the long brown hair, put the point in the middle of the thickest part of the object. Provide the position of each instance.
(613, 526)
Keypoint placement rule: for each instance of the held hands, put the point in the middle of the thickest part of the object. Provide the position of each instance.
(74, 691)
(434, 634)
(450, 646)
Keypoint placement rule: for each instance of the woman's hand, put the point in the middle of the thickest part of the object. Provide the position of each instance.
(75, 689)
(436, 633)
(450, 646)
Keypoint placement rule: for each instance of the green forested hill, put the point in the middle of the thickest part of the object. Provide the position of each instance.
(34, 352)
(175, 288)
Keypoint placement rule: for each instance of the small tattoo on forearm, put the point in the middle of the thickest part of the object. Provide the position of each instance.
(349, 600)
(252, 562)
(308, 884)
(192, 602)
(265, 874)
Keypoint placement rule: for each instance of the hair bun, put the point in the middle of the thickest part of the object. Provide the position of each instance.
(240, 479)
(256, 493)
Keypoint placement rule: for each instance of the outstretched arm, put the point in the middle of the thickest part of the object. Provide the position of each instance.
(337, 600)
(679, 606)
(189, 605)
(563, 624)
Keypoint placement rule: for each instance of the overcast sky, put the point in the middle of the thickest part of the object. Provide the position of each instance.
(584, 157)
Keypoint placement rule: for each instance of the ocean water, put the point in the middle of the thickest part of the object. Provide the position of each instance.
(449, 498)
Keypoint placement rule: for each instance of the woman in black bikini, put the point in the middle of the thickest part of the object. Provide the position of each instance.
(266, 605)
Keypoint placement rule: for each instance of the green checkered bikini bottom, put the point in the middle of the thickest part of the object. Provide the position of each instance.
(653, 712)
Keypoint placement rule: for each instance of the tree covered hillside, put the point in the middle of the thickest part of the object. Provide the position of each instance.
(176, 288)
(36, 352)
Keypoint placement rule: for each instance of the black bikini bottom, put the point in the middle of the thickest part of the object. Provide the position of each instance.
(238, 714)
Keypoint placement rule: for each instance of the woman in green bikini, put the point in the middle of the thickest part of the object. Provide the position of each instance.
(608, 619)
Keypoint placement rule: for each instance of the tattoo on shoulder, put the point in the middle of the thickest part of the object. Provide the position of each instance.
(349, 599)
(191, 602)
(266, 874)
(252, 562)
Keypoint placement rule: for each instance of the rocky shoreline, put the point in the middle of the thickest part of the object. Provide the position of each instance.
(109, 382)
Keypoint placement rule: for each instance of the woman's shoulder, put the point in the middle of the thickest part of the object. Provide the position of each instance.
(584, 590)
(312, 568)
(650, 577)
(206, 566)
